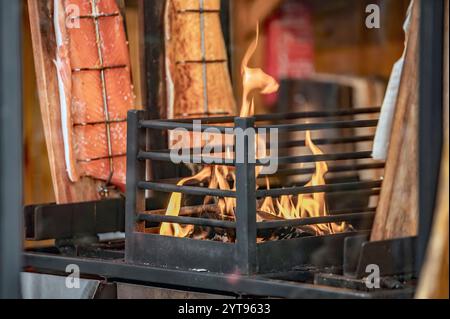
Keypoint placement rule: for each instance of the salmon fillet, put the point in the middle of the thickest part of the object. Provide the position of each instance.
(198, 82)
(191, 36)
(95, 88)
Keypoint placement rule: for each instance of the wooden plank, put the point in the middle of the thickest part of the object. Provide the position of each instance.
(151, 49)
(397, 214)
(38, 186)
(42, 33)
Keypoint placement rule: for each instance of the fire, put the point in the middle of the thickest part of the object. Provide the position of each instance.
(174, 207)
(305, 205)
(254, 79)
(221, 177)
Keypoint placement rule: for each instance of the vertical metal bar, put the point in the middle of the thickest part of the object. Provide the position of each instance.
(430, 115)
(10, 148)
(136, 169)
(246, 200)
(203, 49)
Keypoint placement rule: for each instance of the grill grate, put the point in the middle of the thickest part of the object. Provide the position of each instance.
(245, 255)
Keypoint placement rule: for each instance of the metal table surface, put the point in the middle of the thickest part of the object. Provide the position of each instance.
(257, 286)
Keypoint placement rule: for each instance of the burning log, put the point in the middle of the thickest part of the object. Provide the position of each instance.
(191, 211)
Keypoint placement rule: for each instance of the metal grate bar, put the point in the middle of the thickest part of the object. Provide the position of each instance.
(198, 159)
(330, 188)
(276, 192)
(331, 169)
(171, 125)
(316, 220)
(323, 157)
(285, 116)
(167, 157)
(183, 220)
(327, 141)
(281, 145)
(188, 190)
(322, 126)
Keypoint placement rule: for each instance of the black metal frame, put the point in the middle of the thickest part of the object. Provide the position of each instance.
(245, 256)
(286, 286)
(52, 221)
(430, 116)
(10, 148)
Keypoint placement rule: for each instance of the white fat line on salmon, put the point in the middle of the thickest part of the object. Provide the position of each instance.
(66, 122)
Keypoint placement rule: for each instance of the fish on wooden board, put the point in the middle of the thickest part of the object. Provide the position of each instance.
(198, 82)
(197, 76)
(95, 88)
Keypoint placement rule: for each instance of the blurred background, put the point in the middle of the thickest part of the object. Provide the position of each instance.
(311, 47)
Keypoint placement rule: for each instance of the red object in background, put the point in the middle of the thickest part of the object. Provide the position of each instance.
(290, 43)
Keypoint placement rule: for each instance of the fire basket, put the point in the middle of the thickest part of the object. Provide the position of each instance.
(249, 244)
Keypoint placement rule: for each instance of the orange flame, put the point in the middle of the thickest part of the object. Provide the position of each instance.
(174, 207)
(221, 177)
(307, 205)
(254, 79)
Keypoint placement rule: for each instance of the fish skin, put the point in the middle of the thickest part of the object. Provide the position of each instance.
(85, 121)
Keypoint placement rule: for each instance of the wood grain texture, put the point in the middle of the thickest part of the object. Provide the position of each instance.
(38, 186)
(42, 33)
(397, 213)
